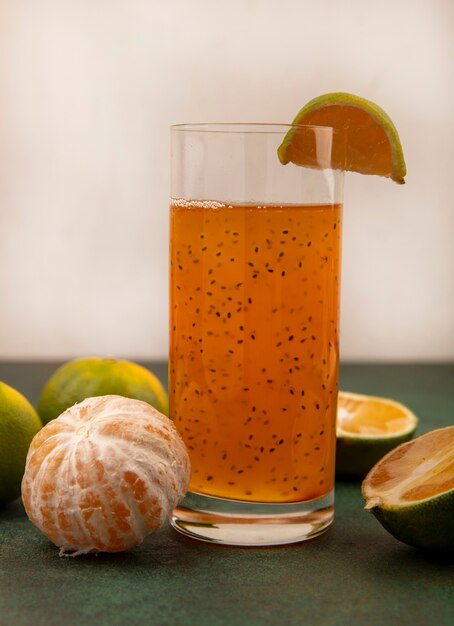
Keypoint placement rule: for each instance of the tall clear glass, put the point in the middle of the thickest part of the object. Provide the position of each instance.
(254, 342)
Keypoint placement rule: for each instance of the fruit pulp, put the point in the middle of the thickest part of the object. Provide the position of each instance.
(253, 367)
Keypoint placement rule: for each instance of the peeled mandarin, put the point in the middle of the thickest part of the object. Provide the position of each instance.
(104, 475)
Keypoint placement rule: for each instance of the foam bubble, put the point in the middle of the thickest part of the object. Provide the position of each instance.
(196, 204)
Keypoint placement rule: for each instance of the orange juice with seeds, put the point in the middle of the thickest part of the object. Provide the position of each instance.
(253, 371)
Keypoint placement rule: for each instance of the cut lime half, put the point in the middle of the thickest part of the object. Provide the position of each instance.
(367, 428)
(411, 491)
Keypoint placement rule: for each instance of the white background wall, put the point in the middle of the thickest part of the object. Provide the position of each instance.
(88, 89)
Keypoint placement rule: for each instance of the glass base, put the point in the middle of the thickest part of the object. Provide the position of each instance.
(236, 523)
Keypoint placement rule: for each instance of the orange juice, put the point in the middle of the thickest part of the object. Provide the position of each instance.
(253, 369)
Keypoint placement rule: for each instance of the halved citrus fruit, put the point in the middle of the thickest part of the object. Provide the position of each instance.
(411, 490)
(367, 428)
(366, 140)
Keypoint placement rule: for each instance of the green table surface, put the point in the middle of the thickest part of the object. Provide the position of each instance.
(356, 573)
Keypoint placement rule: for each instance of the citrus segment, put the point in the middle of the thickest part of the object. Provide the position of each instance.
(91, 377)
(365, 141)
(367, 428)
(411, 490)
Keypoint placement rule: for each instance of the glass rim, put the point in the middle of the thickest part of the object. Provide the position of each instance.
(257, 128)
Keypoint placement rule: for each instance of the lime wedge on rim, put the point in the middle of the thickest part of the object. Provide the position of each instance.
(366, 140)
(411, 491)
(368, 427)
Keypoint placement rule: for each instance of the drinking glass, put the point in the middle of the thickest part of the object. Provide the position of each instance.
(254, 340)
